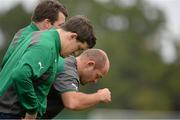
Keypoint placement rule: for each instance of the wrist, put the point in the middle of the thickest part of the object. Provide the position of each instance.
(98, 95)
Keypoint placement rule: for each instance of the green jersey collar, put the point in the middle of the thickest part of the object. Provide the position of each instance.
(34, 27)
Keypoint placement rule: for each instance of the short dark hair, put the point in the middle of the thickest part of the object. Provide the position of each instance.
(81, 25)
(48, 9)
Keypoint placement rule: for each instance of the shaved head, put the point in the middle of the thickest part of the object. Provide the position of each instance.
(97, 55)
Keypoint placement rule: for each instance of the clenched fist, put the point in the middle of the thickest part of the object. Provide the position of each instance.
(104, 95)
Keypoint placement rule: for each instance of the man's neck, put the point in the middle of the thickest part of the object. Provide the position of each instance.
(40, 25)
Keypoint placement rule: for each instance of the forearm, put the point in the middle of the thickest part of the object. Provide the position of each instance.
(79, 101)
(86, 100)
(24, 88)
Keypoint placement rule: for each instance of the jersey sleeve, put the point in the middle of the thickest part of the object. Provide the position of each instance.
(65, 81)
(33, 64)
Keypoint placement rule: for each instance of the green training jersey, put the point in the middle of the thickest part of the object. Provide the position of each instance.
(36, 55)
(14, 51)
(18, 38)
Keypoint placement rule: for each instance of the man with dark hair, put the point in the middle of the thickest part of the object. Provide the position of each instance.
(82, 28)
(83, 69)
(32, 67)
(47, 14)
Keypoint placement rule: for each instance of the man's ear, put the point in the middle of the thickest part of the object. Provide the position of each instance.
(91, 64)
(73, 35)
(47, 23)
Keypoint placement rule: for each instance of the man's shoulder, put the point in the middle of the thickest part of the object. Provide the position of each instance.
(70, 63)
(70, 69)
(24, 32)
(43, 38)
(70, 59)
(45, 35)
(27, 29)
(21, 34)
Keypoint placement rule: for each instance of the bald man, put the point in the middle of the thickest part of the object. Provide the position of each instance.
(91, 65)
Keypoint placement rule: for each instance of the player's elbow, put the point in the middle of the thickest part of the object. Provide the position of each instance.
(71, 100)
(71, 104)
(70, 107)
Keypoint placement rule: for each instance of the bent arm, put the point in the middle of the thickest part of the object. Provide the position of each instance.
(79, 100)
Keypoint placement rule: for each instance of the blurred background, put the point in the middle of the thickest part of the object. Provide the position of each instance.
(141, 38)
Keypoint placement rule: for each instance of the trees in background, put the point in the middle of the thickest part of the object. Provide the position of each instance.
(138, 78)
